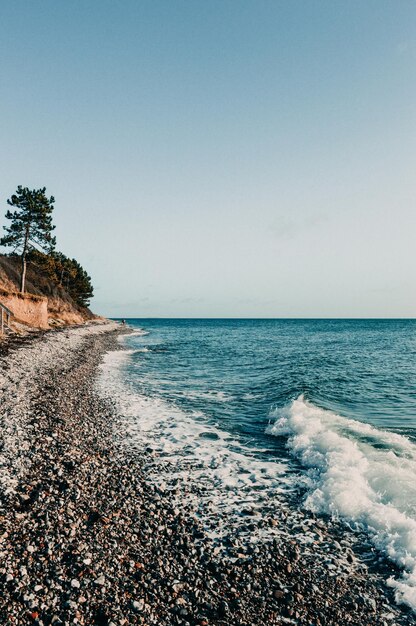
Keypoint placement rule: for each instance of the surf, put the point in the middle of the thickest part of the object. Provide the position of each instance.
(220, 475)
(361, 474)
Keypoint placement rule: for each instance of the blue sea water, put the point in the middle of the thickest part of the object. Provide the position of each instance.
(366, 369)
(260, 406)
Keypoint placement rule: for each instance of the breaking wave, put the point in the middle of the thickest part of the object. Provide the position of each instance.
(361, 474)
(218, 473)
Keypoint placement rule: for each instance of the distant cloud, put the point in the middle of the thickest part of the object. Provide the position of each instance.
(187, 300)
(287, 227)
(275, 302)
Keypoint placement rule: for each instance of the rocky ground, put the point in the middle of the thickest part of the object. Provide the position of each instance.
(86, 538)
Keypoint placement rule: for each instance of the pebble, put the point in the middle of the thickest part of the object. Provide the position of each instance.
(81, 509)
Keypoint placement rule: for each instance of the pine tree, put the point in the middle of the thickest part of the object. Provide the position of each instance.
(31, 224)
(70, 274)
(63, 272)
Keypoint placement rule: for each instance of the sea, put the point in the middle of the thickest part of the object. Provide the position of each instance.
(258, 411)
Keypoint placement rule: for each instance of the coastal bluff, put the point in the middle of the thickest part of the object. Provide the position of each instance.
(26, 307)
(44, 305)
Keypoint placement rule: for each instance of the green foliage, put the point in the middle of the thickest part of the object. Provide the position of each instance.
(31, 224)
(67, 273)
(31, 221)
(73, 277)
(30, 236)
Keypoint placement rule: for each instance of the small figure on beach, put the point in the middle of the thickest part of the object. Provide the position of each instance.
(123, 322)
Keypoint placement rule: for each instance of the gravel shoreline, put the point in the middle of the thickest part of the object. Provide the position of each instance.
(87, 538)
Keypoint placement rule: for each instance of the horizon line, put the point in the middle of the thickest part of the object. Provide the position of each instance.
(263, 318)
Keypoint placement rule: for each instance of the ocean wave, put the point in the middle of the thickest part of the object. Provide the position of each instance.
(361, 474)
(226, 475)
(138, 332)
(217, 396)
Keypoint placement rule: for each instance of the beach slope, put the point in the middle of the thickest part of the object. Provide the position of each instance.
(85, 538)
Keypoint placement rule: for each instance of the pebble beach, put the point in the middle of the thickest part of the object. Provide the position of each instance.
(87, 537)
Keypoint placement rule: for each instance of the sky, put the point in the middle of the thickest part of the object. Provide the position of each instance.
(217, 158)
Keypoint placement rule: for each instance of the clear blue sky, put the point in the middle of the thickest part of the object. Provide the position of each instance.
(218, 158)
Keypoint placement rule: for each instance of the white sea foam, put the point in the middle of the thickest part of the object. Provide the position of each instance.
(187, 451)
(361, 474)
(139, 332)
(250, 396)
(217, 396)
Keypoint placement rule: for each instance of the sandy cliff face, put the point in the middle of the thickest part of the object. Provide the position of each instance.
(44, 305)
(61, 311)
(31, 310)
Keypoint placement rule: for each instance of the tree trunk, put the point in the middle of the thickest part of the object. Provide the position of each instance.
(23, 274)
